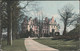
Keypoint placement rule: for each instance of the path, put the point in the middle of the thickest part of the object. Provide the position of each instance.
(32, 45)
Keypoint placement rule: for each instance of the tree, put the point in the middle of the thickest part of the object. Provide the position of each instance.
(11, 15)
(67, 16)
(3, 17)
(9, 31)
(0, 23)
(6, 18)
(15, 16)
(13, 12)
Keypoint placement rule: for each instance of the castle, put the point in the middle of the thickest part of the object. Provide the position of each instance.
(45, 27)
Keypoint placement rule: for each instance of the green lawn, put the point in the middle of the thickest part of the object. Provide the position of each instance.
(18, 45)
(62, 45)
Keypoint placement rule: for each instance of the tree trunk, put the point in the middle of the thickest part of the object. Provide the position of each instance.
(0, 31)
(64, 31)
(0, 25)
(9, 31)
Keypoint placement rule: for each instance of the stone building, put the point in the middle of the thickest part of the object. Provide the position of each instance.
(45, 26)
(24, 25)
(35, 26)
(53, 27)
(30, 24)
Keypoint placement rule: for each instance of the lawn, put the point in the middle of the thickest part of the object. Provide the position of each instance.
(18, 45)
(62, 45)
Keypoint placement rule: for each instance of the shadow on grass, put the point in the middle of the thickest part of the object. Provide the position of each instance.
(18, 45)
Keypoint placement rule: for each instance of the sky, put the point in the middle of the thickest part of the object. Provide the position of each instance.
(50, 8)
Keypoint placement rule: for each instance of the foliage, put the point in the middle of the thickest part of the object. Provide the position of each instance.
(23, 35)
(75, 33)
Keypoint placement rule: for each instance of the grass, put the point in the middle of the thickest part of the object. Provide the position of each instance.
(18, 45)
(62, 45)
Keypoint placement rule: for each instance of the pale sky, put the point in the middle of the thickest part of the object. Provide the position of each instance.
(50, 8)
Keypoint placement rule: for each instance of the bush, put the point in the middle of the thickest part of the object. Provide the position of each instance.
(46, 35)
(23, 35)
(66, 37)
(73, 34)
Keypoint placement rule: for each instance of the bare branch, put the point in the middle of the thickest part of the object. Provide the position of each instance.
(26, 5)
(67, 16)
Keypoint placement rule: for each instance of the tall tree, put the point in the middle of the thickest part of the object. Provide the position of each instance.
(9, 31)
(15, 16)
(2, 16)
(67, 16)
(13, 12)
(0, 22)
(12, 15)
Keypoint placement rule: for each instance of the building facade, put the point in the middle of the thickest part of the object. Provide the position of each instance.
(45, 27)
(53, 27)
(24, 25)
(36, 27)
(30, 24)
